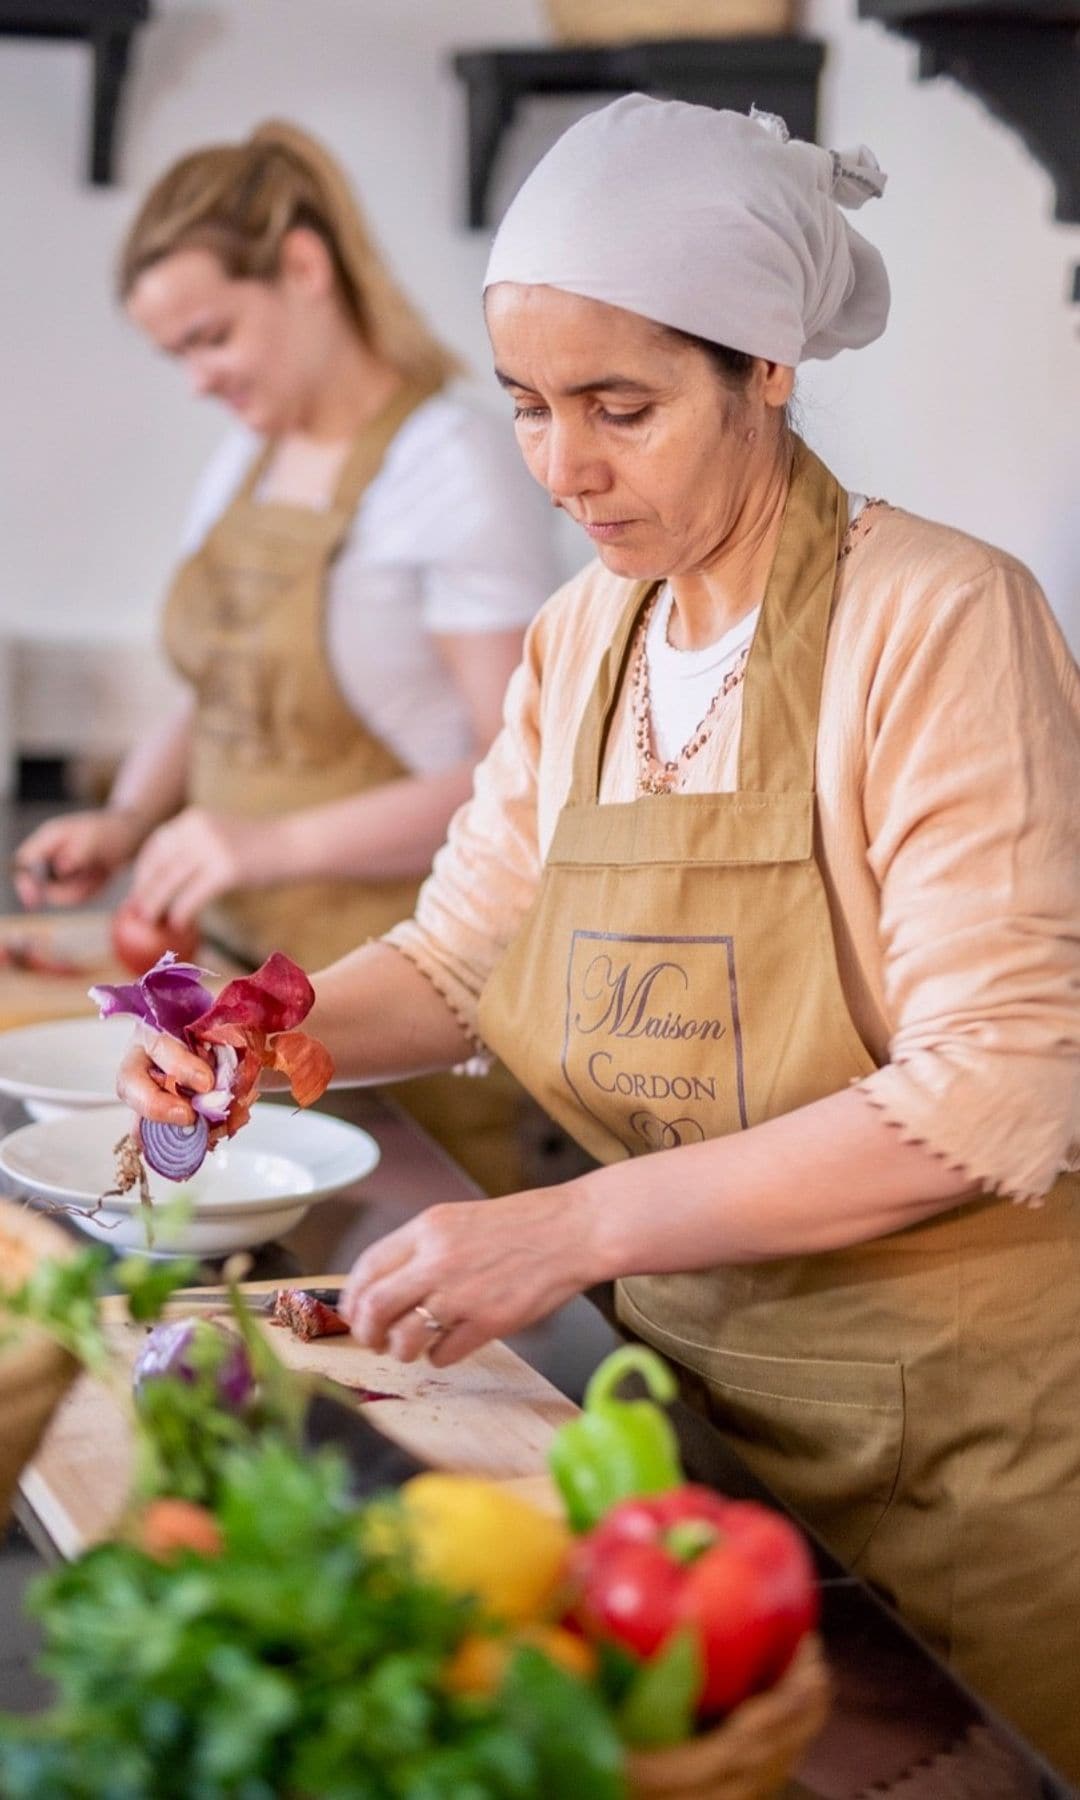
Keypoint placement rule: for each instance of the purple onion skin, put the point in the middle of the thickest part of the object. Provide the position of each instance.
(196, 1351)
(236, 1380)
(176, 1152)
(170, 996)
(166, 1352)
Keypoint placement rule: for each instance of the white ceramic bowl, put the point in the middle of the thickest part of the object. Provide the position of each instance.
(63, 1065)
(255, 1186)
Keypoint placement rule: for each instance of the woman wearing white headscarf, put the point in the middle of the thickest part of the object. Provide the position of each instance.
(771, 874)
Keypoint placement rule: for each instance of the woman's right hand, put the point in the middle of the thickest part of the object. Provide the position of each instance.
(68, 859)
(138, 1088)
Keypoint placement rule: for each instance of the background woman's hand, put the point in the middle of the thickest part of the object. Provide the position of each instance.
(480, 1269)
(69, 859)
(198, 855)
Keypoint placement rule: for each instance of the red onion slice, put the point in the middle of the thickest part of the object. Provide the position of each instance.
(175, 1151)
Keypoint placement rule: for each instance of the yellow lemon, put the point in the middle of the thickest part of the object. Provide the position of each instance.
(473, 1537)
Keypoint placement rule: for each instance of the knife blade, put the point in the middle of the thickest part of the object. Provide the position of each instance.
(257, 1303)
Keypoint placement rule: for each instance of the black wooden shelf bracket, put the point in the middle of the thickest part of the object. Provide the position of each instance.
(112, 51)
(1021, 62)
(778, 74)
(108, 27)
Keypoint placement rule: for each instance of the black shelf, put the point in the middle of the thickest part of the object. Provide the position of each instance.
(1021, 60)
(1026, 10)
(108, 26)
(778, 74)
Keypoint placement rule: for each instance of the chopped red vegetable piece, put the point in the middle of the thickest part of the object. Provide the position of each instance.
(306, 1316)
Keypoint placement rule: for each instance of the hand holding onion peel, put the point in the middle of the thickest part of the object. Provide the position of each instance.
(251, 1026)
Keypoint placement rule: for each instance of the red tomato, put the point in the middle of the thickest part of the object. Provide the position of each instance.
(139, 941)
(736, 1574)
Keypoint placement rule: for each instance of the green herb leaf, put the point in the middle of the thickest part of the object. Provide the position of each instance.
(572, 1738)
(307, 1658)
(148, 1285)
(659, 1707)
(62, 1297)
(284, 1393)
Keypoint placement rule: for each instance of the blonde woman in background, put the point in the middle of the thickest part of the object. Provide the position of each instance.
(359, 564)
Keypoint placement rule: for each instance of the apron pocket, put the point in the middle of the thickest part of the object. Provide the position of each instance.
(826, 1435)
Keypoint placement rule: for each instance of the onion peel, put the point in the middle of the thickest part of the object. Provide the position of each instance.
(275, 998)
(249, 1027)
(306, 1064)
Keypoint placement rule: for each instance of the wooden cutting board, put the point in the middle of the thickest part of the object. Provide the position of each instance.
(490, 1415)
(82, 938)
(29, 995)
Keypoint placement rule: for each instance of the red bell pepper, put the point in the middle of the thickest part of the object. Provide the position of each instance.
(735, 1575)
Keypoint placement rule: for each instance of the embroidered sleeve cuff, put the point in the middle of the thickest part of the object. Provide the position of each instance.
(1007, 1128)
(409, 940)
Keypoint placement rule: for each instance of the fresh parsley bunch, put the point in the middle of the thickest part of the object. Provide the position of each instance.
(304, 1662)
(183, 1425)
(63, 1296)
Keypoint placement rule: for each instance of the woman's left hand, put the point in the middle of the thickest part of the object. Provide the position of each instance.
(458, 1275)
(195, 857)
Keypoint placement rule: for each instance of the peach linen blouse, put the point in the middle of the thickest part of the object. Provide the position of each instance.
(948, 775)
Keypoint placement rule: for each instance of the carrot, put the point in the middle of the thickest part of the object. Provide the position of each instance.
(168, 1526)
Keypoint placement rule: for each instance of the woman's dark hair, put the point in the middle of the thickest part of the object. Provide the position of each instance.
(733, 366)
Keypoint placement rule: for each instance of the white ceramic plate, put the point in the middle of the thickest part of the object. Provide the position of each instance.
(66, 1065)
(255, 1186)
(63, 1064)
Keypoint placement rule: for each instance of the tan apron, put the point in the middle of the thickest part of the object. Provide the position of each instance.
(915, 1399)
(245, 626)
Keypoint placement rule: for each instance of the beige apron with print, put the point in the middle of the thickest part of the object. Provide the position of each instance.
(915, 1399)
(245, 625)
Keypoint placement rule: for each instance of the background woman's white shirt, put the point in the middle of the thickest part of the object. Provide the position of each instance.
(451, 536)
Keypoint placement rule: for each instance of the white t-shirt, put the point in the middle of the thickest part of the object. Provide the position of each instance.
(452, 535)
(684, 683)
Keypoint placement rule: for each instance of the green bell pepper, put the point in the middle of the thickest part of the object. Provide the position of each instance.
(617, 1448)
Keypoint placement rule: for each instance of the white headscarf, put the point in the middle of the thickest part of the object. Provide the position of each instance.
(712, 222)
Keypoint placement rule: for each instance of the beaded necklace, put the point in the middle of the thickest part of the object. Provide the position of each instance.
(665, 777)
(653, 775)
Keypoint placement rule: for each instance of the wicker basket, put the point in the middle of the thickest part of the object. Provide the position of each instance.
(34, 1371)
(752, 1754)
(622, 21)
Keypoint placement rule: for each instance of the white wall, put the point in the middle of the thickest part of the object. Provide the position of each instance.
(99, 444)
(968, 409)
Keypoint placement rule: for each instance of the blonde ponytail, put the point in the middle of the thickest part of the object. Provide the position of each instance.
(240, 201)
